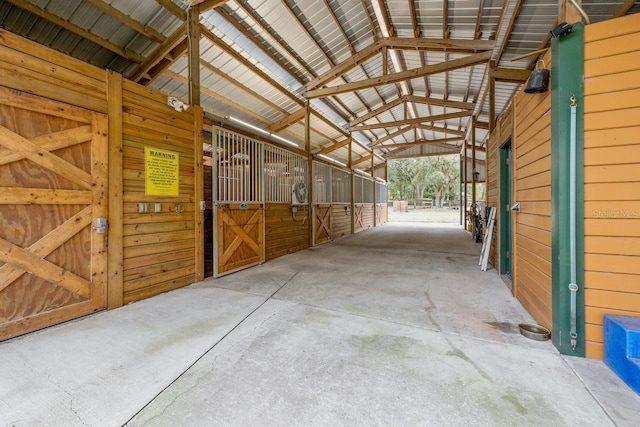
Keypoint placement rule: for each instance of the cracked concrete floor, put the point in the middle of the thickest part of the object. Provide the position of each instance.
(393, 326)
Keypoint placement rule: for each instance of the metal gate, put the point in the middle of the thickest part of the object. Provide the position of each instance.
(53, 186)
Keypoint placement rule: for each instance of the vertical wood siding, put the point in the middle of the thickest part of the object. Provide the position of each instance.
(531, 149)
(612, 178)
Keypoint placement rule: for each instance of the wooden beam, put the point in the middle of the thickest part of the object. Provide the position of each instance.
(567, 12)
(422, 142)
(441, 129)
(288, 121)
(427, 119)
(482, 125)
(193, 42)
(509, 75)
(198, 188)
(628, 4)
(512, 23)
(440, 102)
(395, 134)
(45, 14)
(210, 4)
(146, 30)
(397, 43)
(157, 62)
(173, 8)
(333, 147)
(444, 45)
(384, 107)
(427, 70)
(392, 156)
(115, 257)
(492, 99)
(362, 159)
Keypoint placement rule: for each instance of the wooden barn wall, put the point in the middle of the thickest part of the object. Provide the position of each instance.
(501, 134)
(285, 232)
(384, 214)
(158, 247)
(155, 250)
(368, 212)
(208, 221)
(340, 220)
(612, 181)
(531, 150)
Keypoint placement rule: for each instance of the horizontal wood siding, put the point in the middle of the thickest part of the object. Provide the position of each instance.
(612, 181)
(531, 149)
(285, 234)
(35, 69)
(340, 220)
(368, 212)
(159, 248)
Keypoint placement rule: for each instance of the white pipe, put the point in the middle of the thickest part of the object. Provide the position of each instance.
(573, 286)
(581, 10)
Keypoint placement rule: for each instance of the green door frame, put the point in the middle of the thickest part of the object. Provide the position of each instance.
(567, 80)
(505, 208)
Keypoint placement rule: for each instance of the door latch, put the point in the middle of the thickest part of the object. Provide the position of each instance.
(101, 225)
(516, 207)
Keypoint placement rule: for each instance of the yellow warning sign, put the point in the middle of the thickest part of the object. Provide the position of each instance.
(161, 172)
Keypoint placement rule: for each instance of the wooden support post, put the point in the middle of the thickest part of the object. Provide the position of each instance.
(473, 161)
(492, 98)
(464, 180)
(193, 38)
(115, 258)
(199, 191)
(307, 148)
(353, 183)
(375, 207)
(567, 12)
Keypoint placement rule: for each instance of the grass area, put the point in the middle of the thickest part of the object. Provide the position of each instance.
(445, 215)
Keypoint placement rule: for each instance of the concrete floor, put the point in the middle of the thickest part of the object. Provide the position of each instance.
(394, 326)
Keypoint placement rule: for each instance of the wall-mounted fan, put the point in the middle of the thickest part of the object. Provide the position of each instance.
(299, 193)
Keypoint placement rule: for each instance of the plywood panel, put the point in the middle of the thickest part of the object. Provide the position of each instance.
(285, 232)
(52, 266)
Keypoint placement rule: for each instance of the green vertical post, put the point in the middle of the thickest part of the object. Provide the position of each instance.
(567, 80)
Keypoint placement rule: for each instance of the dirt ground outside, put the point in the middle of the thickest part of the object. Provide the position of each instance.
(442, 215)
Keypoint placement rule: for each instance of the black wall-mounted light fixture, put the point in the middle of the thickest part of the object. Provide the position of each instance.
(562, 29)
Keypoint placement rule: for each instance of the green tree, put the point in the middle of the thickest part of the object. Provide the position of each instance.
(412, 178)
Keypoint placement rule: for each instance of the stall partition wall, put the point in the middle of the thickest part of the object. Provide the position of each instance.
(256, 215)
(72, 151)
(612, 181)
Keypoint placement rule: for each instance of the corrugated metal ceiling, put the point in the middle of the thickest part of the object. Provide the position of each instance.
(292, 43)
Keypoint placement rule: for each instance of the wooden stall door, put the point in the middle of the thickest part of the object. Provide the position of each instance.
(240, 229)
(358, 218)
(53, 186)
(322, 223)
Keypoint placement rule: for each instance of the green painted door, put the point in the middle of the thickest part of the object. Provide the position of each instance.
(505, 205)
